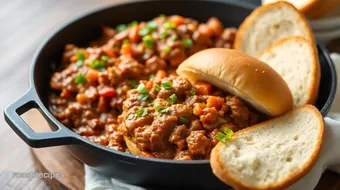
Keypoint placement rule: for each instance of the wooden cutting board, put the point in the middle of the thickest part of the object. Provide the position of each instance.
(58, 159)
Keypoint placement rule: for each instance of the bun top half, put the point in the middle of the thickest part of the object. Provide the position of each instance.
(241, 75)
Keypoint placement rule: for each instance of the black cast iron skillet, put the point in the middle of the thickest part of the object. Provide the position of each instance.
(128, 168)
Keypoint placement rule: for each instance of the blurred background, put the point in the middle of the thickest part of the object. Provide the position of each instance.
(23, 26)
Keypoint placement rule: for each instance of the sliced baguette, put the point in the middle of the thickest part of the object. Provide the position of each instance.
(296, 60)
(273, 154)
(268, 24)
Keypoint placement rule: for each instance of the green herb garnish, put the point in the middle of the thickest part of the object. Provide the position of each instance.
(105, 58)
(121, 27)
(80, 79)
(141, 89)
(80, 55)
(183, 120)
(152, 25)
(133, 23)
(144, 31)
(167, 50)
(161, 109)
(141, 112)
(187, 43)
(161, 16)
(79, 63)
(172, 99)
(143, 97)
(163, 35)
(126, 41)
(133, 83)
(169, 25)
(167, 85)
(96, 64)
(173, 37)
(131, 116)
(192, 91)
(224, 137)
(148, 41)
(157, 87)
(151, 76)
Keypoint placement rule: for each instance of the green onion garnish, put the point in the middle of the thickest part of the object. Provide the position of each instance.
(173, 37)
(143, 97)
(133, 83)
(151, 76)
(152, 25)
(141, 89)
(148, 41)
(80, 79)
(183, 120)
(96, 64)
(172, 99)
(157, 87)
(105, 58)
(133, 23)
(131, 116)
(224, 137)
(141, 112)
(80, 55)
(169, 25)
(126, 41)
(163, 35)
(161, 16)
(192, 91)
(161, 109)
(187, 42)
(144, 31)
(167, 50)
(79, 63)
(167, 85)
(121, 27)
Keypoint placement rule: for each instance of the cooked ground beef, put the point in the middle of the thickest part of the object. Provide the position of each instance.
(95, 92)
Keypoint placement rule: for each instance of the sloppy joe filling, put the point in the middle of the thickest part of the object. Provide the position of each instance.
(96, 90)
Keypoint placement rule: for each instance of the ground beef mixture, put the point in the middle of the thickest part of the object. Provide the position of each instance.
(98, 91)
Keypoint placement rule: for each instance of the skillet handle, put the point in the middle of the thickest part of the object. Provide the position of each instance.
(62, 136)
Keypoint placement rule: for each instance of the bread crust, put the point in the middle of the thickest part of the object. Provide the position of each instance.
(314, 88)
(318, 8)
(261, 10)
(224, 175)
(241, 75)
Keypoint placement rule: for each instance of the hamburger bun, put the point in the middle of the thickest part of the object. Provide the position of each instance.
(241, 75)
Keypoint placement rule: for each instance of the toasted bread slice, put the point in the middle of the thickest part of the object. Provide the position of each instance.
(311, 8)
(296, 60)
(268, 24)
(273, 154)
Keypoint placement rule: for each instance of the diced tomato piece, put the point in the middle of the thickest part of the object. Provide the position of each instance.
(107, 92)
(149, 84)
(133, 34)
(92, 76)
(215, 101)
(109, 51)
(203, 88)
(73, 59)
(177, 19)
(127, 50)
(160, 75)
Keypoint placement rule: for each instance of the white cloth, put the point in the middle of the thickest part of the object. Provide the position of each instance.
(329, 156)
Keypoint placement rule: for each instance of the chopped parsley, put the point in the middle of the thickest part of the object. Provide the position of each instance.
(81, 57)
(148, 41)
(105, 58)
(157, 87)
(224, 137)
(96, 64)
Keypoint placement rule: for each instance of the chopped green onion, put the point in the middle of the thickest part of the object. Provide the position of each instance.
(80, 79)
(96, 64)
(172, 99)
(143, 97)
(167, 50)
(161, 16)
(148, 41)
(192, 91)
(105, 58)
(151, 76)
(187, 42)
(224, 137)
(161, 109)
(121, 27)
(141, 89)
(167, 85)
(131, 116)
(79, 63)
(183, 120)
(144, 31)
(133, 83)
(163, 35)
(133, 23)
(169, 25)
(80, 55)
(157, 87)
(141, 112)
(152, 25)
(150, 104)
(126, 41)
(173, 37)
